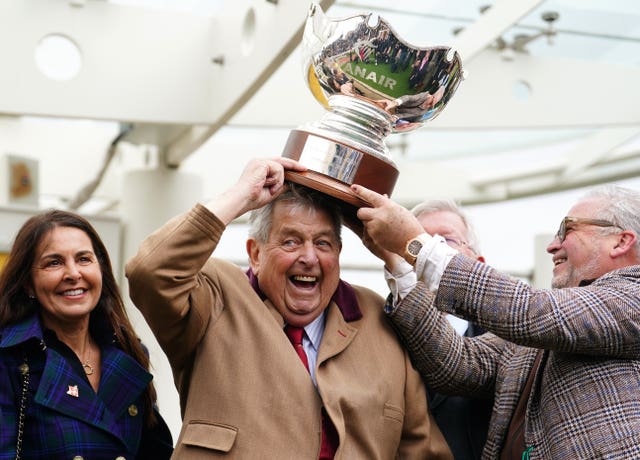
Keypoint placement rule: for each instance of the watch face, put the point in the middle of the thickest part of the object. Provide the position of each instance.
(414, 247)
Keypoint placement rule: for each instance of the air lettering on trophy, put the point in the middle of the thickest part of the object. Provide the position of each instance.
(361, 72)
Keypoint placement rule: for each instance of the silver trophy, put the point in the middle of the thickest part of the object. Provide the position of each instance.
(373, 83)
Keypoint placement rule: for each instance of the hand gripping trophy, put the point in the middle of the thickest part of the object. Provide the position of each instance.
(373, 84)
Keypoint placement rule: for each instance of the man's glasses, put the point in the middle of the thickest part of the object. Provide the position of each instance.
(454, 243)
(562, 231)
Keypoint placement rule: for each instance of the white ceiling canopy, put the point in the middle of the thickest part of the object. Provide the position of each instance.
(549, 102)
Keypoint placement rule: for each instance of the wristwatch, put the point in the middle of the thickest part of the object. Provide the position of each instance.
(412, 250)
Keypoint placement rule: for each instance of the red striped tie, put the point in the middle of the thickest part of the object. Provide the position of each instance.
(329, 434)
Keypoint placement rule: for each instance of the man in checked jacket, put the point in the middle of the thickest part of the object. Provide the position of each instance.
(563, 364)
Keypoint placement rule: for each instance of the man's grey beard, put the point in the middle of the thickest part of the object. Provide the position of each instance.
(574, 276)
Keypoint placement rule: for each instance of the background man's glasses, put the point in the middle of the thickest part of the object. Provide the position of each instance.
(454, 243)
(562, 231)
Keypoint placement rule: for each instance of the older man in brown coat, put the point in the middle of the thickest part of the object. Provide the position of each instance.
(245, 394)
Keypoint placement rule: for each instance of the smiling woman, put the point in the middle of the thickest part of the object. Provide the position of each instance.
(67, 283)
(62, 320)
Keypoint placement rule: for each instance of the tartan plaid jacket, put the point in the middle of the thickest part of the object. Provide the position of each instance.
(64, 416)
(585, 399)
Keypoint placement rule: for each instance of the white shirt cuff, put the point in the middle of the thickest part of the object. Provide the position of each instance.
(432, 260)
(401, 281)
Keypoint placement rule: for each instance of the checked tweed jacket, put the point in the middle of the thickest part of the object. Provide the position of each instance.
(585, 399)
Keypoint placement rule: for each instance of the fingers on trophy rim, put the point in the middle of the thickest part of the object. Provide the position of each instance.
(368, 195)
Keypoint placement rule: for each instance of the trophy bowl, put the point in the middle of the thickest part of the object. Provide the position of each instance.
(372, 84)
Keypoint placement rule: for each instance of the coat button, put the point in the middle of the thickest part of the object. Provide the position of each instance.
(133, 410)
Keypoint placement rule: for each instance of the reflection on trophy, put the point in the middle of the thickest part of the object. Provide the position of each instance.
(373, 83)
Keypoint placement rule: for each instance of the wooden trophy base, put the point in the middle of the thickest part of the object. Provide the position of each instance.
(316, 152)
(345, 199)
(326, 185)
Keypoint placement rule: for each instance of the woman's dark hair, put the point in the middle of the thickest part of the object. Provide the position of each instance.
(16, 280)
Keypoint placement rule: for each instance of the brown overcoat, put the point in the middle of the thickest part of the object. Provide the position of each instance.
(243, 393)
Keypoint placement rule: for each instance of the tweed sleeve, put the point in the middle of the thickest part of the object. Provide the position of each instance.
(600, 319)
(448, 362)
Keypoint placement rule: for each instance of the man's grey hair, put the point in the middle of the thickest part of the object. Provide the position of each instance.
(618, 205)
(298, 197)
(431, 206)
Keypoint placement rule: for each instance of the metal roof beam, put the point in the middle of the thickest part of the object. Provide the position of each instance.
(164, 70)
(502, 15)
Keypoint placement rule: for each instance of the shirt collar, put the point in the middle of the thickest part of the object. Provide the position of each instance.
(344, 297)
(31, 328)
(315, 331)
(28, 328)
(584, 283)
